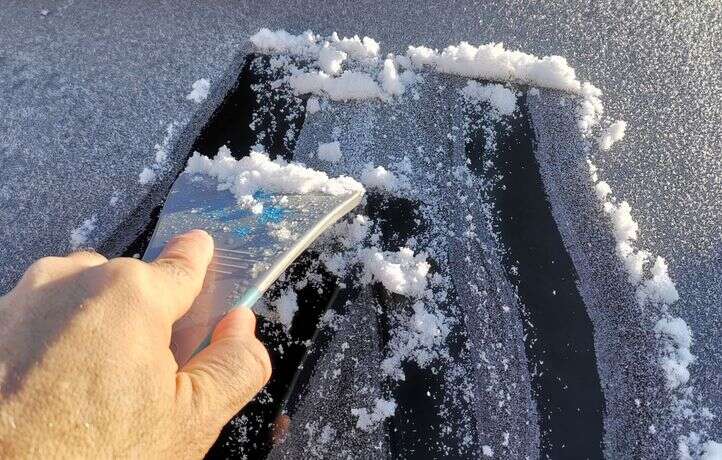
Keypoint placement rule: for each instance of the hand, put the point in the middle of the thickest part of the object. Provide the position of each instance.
(85, 364)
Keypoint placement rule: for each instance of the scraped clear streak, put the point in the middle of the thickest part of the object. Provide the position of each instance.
(251, 250)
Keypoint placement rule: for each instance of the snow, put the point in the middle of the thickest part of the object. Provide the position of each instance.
(402, 272)
(350, 233)
(676, 355)
(659, 288)
(330, 151)
(602, 189)
(390, 80)
(625, 227)
(330, 59)
(419, 338)
(348, 86)
(368, 420)
(257, 171)
(80, 236)
(199, 91)
(690, 447)
(487, 451)
(149, 174)
(613, 134)
(146, 176)
(281, 41)
(286, 307)
(358, 48)
(711, 450)
(634, 261)
(313, 105)
(615, 72)
(590, 109)
(494, 62)
(502, 100)
(380, 178)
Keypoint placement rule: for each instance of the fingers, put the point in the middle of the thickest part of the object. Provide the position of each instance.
(182, 267)
(225, 376)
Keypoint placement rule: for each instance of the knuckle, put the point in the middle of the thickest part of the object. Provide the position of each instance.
(259, 359)
(88, 257)
(130, 273)
(43, 268)
(179, 266)
(46, 263)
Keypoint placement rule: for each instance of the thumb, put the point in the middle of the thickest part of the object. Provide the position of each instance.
(181, 269)
(226, 375)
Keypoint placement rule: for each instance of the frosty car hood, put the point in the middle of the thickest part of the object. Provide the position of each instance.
(89, 92)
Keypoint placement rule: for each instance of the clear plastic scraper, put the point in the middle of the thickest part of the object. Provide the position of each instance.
(251, 250)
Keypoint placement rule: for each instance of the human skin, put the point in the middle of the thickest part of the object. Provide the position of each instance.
(85, 364)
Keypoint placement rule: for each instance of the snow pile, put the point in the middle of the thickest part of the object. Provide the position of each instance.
(614, 133)
(390, 79)
(357, 48)
(400, 272)
(487, 451)
(347, 86)
(80, 236)
(494, 62)
(310, 44)
(344, 69)
(382, 410)
(591, 109)
(329, 55)
(676, 355)
(330, 59)
(659, 288)
(200, 91)
(330, 152)
(257, 172)
(280, 41)
(502, 100)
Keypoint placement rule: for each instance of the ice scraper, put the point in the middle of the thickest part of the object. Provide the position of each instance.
(251, 250)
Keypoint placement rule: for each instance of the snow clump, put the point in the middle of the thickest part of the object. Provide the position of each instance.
(676, 356)
(613, 134)
(382, 410)
(401, 272)
(382, 179)
(200, 91)
(244, 177)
